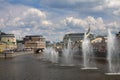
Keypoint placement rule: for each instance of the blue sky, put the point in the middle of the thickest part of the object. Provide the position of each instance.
(54, 18)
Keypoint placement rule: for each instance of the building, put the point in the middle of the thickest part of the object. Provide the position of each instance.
(2, 47)
(118, 36)
(7, 41)
(59, 45)
(74, 37)
(49, 44)
(100, 46)
(35, 42)
(118, 39)
(20, 45)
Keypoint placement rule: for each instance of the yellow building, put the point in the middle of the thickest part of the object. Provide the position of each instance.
(7, 41)
(2, 47)
(99, 39)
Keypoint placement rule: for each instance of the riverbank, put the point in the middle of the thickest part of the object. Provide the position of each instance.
(12, 54)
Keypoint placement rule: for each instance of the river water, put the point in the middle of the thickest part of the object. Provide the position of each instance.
(32, 67)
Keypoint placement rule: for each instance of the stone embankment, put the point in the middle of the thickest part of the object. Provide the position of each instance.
(14, 54)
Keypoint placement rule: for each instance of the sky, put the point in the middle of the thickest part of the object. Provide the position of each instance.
(55, 18)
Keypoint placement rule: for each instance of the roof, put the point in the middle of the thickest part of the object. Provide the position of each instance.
(34, 36)
(100, 36)
(74, 34)
(7, 35)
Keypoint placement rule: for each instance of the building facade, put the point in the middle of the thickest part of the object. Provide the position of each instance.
(100, 46)
(2, 47)
(7, 41)
(35, 42)
(74, 37)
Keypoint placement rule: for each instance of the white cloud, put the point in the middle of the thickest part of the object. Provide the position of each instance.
(55, 22)
(117, 12)
(113, 25)
(98, 8)
(18, 33)
(112, 3)
(32, 12)
(2, 23)
(19, 15)
(46, 23)
(28, 29)
(109, 9)
(33, 17)
(14, 15)
(75, 21)
(95, 24)
(22, 20)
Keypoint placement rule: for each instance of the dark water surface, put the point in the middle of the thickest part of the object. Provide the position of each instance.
(31, 67)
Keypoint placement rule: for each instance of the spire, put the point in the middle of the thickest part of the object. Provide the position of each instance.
(88, 30)
(0, 32)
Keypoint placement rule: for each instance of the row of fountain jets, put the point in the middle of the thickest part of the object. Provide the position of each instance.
(113, 55)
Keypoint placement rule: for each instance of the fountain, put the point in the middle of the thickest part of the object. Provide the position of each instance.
(87, 50)
(67, 55)
(51, 55)
(113, 56)
(46, 53)
(54, 56)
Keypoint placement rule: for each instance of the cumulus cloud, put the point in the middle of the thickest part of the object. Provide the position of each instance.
(112, 3)
(2, 23)
(18, 33)
(19, 15)
(9, 14)
(60, 17)
(117, 12)
(46, 23)
(98, 25)
(109, 6)
(32, 12)
(74, 21)
(98, 8)
(25, 16)
(95, 24)
(114, 25)
(20, 19)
